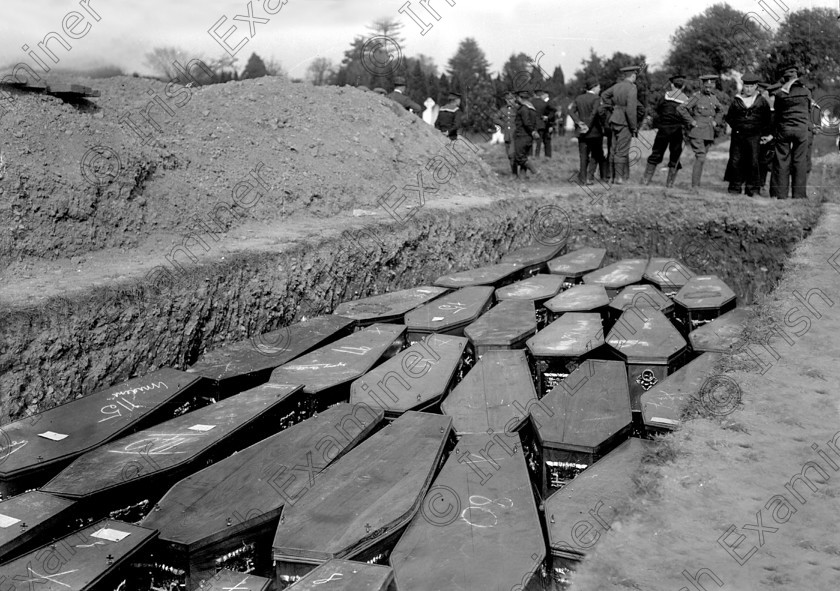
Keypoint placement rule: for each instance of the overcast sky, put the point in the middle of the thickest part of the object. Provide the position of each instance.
(564, 30)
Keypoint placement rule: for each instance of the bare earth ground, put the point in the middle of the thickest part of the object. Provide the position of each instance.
(715, 472)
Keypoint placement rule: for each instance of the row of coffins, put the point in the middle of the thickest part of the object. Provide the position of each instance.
(230, 487)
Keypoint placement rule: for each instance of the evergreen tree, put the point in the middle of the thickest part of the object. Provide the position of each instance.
(255, 68)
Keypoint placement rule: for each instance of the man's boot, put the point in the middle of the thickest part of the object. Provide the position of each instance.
(650, 170)
(696, 174)
(672, 175)
(514, 168)
(619, 173)
(590, 172)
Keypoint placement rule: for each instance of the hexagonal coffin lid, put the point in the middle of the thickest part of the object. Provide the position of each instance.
(607, 483)
(619, 274)
(412, 379)
(580, 298)
(645, 336)
(340, 362)
(489, 275)
(495, 394)
(667, 274)
(227, 580)
(572, 335)
(346, 575)
(388, 307)
(578, 262)
(642, 296)
(505, 325)
(534, 254)
(704, 292)
(264, 352)
(27, 516)
(367, 495)
(488, 538)
(136, 459)
(257, 481)
(721, 334)
(450, 311)
(538, 287)
(586, 411)
(663, 404)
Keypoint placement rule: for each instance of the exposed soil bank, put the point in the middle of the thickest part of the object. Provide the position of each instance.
(74, 345)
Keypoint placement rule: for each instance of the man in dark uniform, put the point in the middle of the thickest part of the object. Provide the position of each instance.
(525, 131)
(585, 112)
(669, 122)
(546, 114)
(505, 118)
(449, 117)
(623, 120)
(399, 96)
(749, 117)
(767, 149)
(706, 114)
(791, 130)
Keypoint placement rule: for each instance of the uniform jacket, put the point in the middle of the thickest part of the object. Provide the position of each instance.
(792, 107)
(753, 120)
(506, 119)
(707, 111)
(406, 102)
(623, 98)
(540, 107)
(526, 120)
(449, 121)
(666, 113)
(585, 109)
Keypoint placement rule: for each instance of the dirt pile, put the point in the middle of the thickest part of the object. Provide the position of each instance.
(149, 158)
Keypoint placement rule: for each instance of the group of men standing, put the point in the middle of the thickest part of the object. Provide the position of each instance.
(771, 129)
(449, 116)
(526, 121)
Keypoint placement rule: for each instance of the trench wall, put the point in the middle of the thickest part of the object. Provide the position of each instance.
(70, 347)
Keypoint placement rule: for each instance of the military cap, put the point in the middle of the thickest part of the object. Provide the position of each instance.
(750, 78)
(773, 87)
(592, 83)
(523, 92)
(454, 94)
(631, 68)
(379, 90)
(399, 81)
(787, 66)
(705, 77)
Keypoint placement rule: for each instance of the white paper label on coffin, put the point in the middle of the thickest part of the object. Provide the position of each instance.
(111, 535)
(52, 436)
(6, 521)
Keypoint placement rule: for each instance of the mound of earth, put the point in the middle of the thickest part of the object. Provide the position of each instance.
(76, 178)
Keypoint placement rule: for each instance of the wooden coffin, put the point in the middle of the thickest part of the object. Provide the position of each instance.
(237, 501)
(478, 528)
(580, 298)
(574, 265)
(327, 372)
(228, 580)
(505, 326)
(494, 275)
(618, 275)
(580, 514)
(246, 364)
(721, 335)
(347, 575)
(31, 518)
(651, 346)
(494, 396)
(364, 501)
(702, 299)
(533, 258)
(388, 307)
(640, 296)
(449, 314)
(415, 379)
(35, 449)
(562, 345)
(663, 404)
(129, 475)
(538, 289)
(91, 559)
(581, 419)
(667, 275)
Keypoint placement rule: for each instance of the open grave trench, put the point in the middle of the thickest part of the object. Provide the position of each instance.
(234, 323)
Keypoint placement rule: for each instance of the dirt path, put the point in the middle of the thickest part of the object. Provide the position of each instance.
(741, 472)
